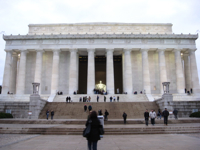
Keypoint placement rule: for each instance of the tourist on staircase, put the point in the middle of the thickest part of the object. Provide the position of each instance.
(85, 107)
(47, 113)
(146, 117)
(89, 107)
(97, 98)
(175, 112)
(104, 98)
(106, 115)
(152, 115)
(165, 115)
(159, 114)
(111, 98)
(118, 98)
(52, 114)
(124, 116)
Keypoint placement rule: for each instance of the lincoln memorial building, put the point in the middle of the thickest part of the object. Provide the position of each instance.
(116, 58)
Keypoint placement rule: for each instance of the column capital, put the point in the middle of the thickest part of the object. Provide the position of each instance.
(176, 50)
(73, 50)
(192, 50)
(24, 51)
(91, 50)
(39, 50)
(160, 50)
(8, 50)
(127, 49)
(144, 50)
(109, 50)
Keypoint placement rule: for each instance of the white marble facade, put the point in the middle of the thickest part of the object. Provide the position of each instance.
(49, 54)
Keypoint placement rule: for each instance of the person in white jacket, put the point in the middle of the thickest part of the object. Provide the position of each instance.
(152, 115)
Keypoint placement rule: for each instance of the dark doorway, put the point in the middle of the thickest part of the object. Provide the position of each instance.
(100, 69)
(118, 73)
(82, 81)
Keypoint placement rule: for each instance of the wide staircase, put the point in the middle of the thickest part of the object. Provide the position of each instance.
(122, 97)
(75, 110)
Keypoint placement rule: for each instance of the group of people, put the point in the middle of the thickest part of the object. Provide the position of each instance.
(68, 99)
(59, 93)
(112, 98)
(152, 115)
(85, 99)
(51, 112)
(106, 113)
(188, 91)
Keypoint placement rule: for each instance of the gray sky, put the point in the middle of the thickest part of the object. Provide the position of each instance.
(17, 14)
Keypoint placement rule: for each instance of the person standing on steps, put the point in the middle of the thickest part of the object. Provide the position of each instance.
(89, 98)
(146, 117)
(85, 107)
(52, 114)
(152, 115)
(67, 99)
(106, 115)
(159, 115)
(118, 98)
(111, 98)
(165, 115)
(175, 112)
(89, 107)
(114, 98)
(104, 98)
(47, 113)
(124, 116)
(97, 98)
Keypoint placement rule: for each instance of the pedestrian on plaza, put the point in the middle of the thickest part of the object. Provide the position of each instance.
(185, 90)
(146, 117)
(47, 113)
(89, 107)
(111, 98)
(69, 99)
(175, 112)
(165, 115)
(106, 115)
(85, 107)
(124, 116)
(114, 98)
(152, 115)
(97, 98)
(159, 114)
(80, 99)
(104, 98)
(52, 114)
(191, 90)
(118, 98)
(94, 132)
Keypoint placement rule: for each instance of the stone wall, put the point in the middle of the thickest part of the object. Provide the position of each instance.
(18, 109)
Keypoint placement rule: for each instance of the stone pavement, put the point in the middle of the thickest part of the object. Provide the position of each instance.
(109, 142)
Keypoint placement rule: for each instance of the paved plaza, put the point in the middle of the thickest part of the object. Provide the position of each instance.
(109, 142)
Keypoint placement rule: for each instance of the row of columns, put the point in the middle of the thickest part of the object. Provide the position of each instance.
(191, 80)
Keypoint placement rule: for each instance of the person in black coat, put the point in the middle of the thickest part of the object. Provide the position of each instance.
(146, 117)
(85, 107)
(124, 116)
(165, 115)
(106, 115)
(52, 114)
(89, 107)
(94, 133)
(67, 99)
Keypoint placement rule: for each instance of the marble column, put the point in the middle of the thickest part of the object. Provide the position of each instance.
(162, 67)
(187, 71)
(6, 75)
(91, 72)
(128, 85)
(21, 73)
(73, 70)
(179, 72)
(109, 72)
(194, 72)
(14, 74)
(55, 71)
(145, 72)
(38, 68)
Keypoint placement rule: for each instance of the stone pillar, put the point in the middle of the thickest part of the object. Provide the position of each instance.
(14, 74)
(91, 72)
(109, 72)
(162, 67)
(179, 72)
(187, 71)
(145, 71)
(6, 75)
(73, 71)
(128, 85)
(21, 74)
(55, 71)
(194, 72)
(38, 67)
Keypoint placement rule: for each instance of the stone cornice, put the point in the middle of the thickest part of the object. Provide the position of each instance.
(100, 36)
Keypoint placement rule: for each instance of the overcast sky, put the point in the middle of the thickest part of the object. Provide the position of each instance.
(15, 15)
